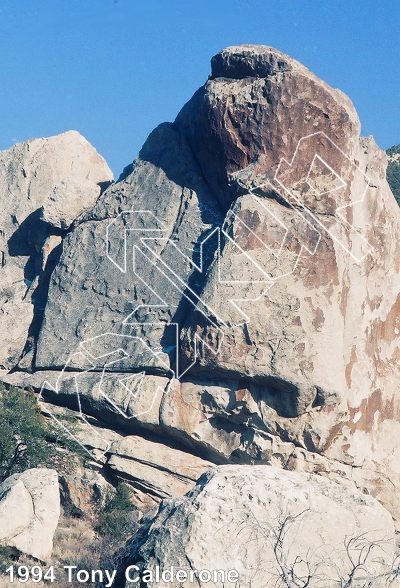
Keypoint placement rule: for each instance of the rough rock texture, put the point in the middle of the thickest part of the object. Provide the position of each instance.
(83, 488)
(239, 510)
(29, 173)
(69, 198)
(260, 102)
(155, 467)
(165, 181)
(237, 290)
(29, 511)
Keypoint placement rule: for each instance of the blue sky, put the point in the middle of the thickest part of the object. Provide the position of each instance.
(114, 69)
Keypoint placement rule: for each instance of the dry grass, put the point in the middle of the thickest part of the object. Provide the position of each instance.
(75, 543)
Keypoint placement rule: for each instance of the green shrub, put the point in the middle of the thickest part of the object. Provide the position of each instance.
(393, 150)
(6, 554)
(23, 432)
(393, 178)
(116, 523)
(393, 172)
(117, 515)
(121, 500)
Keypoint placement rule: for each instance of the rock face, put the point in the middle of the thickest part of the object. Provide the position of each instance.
(257, 104)
(154, 468)
(237, 290)
(68, 199)
(29, 511)
(241, 510)
(166, 184)
(31, 175)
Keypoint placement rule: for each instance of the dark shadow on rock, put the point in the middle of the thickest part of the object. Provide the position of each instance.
(39, 296)
(31, 233)
(198, 123)
(167, 148)
(103, 186)
(28, 241)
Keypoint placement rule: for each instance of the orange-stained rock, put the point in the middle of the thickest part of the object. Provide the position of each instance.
(293, 350)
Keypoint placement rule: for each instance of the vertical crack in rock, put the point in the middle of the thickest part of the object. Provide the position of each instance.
(273, 154)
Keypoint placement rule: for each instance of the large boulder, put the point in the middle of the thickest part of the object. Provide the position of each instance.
(312, 207)
(29, 511)
(263, 523)
(238, 287)
(258, 103)
(35, 174)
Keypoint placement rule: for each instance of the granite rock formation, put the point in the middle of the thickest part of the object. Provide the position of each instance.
(234, 295)
(29, 512)
(32, 225)
(244, 512)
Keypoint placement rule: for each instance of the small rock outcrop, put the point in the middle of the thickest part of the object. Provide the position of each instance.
(264, 522)
(70, 198)
(44, 185)
(29, 511)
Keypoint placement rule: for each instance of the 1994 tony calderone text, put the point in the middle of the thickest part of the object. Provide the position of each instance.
(133, 574)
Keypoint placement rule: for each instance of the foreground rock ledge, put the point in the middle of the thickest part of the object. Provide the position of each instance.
(231, 517)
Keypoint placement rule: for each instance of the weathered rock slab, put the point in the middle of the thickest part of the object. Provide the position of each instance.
(156, 468)
(237, 514)
(29, 511)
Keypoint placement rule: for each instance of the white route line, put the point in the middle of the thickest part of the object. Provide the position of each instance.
(138, 221)
(351, 229)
